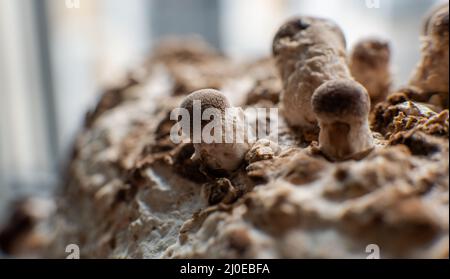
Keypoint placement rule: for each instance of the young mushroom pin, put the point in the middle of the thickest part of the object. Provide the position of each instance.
(308, 51)
(221, 142)
(342, 108)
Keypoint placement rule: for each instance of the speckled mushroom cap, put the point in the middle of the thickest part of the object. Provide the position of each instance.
(303, 27)
(372, 51)
(341, 101)
(210, 98)
(436, 23)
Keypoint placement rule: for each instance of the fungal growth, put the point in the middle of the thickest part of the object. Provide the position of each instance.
(308, 51)
(135, 192)
(220, 138)
(342, 108)
(431, 74)
(369, 65)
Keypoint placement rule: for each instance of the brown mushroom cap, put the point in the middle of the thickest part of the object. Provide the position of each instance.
(342, 101)
(436, 23)
(298, 27)
(209, 98)
(372, 51)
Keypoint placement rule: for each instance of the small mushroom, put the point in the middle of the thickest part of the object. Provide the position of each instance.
(224, 151)
(342, 108)
(431, 74)
(369, 64)
(308, 51)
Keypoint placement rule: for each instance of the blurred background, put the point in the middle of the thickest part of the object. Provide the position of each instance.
(56, 55)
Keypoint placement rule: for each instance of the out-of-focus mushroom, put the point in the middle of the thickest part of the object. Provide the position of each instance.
(431, 74)
(308, 51)
(369, 64)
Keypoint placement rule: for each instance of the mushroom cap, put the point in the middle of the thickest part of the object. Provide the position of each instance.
(372, 51)
(210, 98)
(436, 23)
(341, 101)
(303, 26)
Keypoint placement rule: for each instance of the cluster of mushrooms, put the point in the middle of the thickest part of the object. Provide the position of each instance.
(327, 97)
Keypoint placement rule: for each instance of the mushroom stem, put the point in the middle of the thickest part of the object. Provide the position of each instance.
(308, 51)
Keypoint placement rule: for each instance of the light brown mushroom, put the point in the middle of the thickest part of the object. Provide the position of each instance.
(369, 65)
(342, 108)
(308, 51)
(220, 153)
(431, 74)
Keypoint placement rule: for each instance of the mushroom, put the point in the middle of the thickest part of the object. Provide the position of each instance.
(342, 108)
(308, 51)
(431, 74)
(223, 148)
(431, 16)
(369, 65)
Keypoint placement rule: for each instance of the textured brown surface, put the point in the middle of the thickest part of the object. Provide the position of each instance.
(132, 193)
